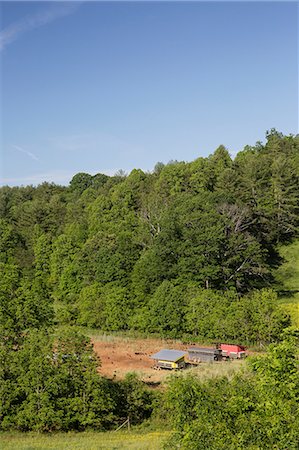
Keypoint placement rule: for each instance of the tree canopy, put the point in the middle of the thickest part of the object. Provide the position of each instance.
(120, 252)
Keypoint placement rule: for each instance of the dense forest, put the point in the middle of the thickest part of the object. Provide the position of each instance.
(186, 251)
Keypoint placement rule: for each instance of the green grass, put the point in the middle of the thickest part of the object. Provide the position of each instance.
(206, 371)
(84, 441)
(287, 277)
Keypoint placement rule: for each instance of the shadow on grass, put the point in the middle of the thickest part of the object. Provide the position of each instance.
(288, 293)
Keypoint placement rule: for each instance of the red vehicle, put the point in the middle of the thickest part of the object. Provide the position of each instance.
(232, 351)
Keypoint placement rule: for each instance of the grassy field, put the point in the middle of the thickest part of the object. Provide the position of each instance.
(206, 371)
(287, 277)
(83, 441)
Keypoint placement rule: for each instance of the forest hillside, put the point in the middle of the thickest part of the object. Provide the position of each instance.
(188, 249)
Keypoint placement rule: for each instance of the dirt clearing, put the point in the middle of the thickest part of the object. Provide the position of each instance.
(122, 355)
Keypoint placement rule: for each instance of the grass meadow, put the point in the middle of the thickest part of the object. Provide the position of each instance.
(84, 441)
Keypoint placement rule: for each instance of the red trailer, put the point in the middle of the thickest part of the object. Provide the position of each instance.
(232, 351)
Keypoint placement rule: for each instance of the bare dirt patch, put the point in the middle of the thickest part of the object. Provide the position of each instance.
(122, 355)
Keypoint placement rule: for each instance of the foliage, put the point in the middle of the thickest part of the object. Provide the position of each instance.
(257, 409)
(56, 385)
(50, 382)
(287, 279)
(136, 401)
(122, 252)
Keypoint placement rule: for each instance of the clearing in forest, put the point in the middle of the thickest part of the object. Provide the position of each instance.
(120, 355)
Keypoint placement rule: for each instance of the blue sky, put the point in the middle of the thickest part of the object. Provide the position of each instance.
(97, 87)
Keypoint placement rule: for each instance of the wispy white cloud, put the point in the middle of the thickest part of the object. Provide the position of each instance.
(27, 23)
(26, 152)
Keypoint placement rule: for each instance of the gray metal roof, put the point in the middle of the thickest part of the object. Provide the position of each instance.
(201, 349)
(169, 355)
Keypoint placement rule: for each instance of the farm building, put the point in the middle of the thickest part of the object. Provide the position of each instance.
(169, 359)
(233, 351)
(198, 354)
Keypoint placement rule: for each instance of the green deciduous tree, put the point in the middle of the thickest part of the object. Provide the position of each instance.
(56, 384)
